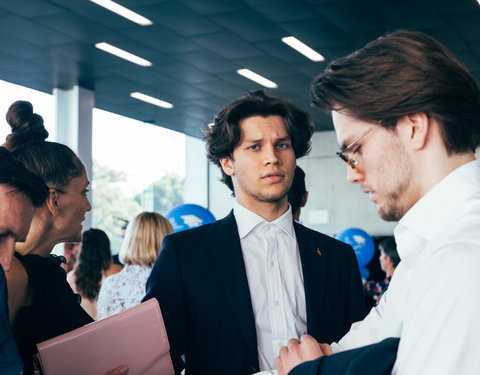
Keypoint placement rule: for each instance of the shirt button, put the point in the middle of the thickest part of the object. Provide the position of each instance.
(275, 303)
(272, 263)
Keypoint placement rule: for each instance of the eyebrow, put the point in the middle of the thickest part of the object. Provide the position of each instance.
(344, 145)
(255, 140)
(348, 141)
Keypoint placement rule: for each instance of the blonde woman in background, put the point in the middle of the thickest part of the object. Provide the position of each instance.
(142, 243)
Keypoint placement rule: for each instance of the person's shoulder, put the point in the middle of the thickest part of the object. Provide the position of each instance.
(202, 231)
(457, 255)
(111, 279)
(113, 269)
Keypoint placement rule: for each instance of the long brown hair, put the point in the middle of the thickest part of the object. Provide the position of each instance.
(400, 74)
(94, 258)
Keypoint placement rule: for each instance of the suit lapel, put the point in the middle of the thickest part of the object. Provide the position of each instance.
(313, 258)
(227, 254)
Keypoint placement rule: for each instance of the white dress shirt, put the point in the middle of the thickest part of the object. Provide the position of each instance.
(432, 302)
(275, 280)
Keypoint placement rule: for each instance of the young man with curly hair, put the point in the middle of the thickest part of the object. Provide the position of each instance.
(232, 292)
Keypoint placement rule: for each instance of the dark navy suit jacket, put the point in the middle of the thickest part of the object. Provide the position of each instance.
(375, 359)
(200, 282)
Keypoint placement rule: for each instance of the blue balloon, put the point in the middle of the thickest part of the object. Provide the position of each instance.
(365, 273)
(361, 242)
(188, 216)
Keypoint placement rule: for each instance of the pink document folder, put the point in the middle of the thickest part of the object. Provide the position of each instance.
(135, 337)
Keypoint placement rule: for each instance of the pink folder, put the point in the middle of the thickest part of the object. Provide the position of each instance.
(135, 337)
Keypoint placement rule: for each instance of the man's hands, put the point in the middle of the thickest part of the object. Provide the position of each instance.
(307, 349)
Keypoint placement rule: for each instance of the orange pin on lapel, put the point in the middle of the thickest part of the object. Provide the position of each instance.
(319, 252)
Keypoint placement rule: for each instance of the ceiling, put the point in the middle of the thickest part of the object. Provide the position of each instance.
(196, 47)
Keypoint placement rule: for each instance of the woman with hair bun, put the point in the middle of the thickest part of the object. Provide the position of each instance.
(94, 258)
(140, 248)
(41, 303)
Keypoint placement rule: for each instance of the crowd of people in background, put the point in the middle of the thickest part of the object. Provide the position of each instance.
(239, 295)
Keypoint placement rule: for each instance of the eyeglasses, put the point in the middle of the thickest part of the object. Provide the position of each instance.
(349, 159)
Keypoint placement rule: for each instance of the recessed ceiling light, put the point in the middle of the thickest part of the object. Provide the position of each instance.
(257, 78)
(122, 54)
(303, 48)
(151, 100)
(124, 12)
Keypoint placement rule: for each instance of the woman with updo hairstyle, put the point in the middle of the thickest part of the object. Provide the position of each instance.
(140, 248)
(93, 260)
(41, 303)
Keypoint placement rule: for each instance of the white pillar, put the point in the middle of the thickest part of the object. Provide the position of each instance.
(73, 126)
(196, 172)
(202, 180)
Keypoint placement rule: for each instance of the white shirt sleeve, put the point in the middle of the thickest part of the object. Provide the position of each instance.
(441, 335)
(384, 320)
(364, 332)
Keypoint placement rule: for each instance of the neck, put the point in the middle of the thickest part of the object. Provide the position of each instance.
(389, 271)
(433, 162)
(432, 176)
(270, 211)
(40, 239)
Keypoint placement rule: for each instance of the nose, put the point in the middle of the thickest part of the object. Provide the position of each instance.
(354, 176)
(89, 205)
(270, 155)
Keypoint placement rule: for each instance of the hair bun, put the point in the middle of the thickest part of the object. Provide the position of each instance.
(23, 121)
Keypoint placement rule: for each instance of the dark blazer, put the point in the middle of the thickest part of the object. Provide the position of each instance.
(200, 282)
(375, 359)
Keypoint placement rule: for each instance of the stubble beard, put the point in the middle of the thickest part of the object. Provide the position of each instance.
(396, 200)
(272, 198)
(391, 212)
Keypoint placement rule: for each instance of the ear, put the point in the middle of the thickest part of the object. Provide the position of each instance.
(227, 166)
(417, 129)
(53, 202)
(304, 199)
(389, 260)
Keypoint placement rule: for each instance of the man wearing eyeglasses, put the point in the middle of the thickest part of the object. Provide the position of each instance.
(407, 117)
(234, 291)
